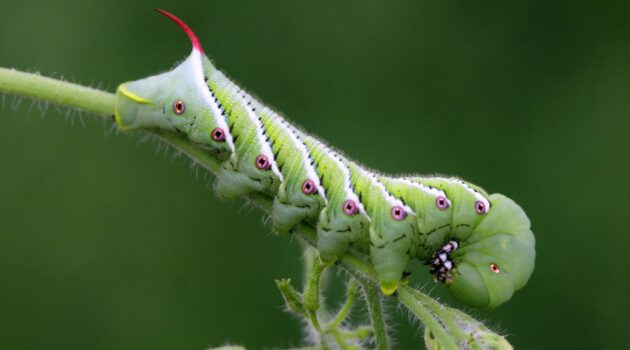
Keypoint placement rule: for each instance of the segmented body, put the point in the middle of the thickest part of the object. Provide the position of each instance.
(391, 219)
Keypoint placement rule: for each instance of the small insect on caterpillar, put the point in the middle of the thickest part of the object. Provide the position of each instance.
(479, 246)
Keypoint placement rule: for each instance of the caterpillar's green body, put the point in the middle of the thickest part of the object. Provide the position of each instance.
(479, 245)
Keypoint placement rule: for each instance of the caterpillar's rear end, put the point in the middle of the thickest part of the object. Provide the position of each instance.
(480, 246)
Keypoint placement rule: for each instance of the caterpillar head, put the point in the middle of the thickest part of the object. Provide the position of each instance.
(496, 259)
(178, 101)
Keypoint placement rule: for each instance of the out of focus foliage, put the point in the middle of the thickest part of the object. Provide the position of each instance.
(106, 245)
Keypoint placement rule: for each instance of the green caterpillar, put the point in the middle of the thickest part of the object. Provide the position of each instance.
(480, 246)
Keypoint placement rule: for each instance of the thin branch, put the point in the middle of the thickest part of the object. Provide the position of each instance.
(374, 303)
(427, 318)
(352, 289)
(57, 91)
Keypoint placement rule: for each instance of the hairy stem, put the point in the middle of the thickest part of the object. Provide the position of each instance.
(375, 309)
(427, 318)
(311, 287)
(437, 311)
(351, 291)
(56, 91)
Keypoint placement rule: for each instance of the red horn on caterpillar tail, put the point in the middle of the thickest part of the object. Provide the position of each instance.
(191, 35)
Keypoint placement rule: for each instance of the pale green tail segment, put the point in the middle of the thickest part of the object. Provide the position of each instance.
(497, 259)
(178, 101)
(496, 248)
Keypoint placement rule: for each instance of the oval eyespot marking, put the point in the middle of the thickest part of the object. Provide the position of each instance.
(262, 162)
(398, 213)
(495, 268)
(308, 187)
(350, 207)
(218, 134)
(179, 107)
(480, 207)
(441, 202)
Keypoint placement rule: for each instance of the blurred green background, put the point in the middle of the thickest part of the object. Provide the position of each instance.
(105, 243)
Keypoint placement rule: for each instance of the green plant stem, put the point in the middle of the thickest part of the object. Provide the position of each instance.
(311, 293)
(437, 311)
(408, 299)
(56, 91)
(292, 298)
(342, 342)
(375, 309)
(311, 287)
(351, 291)
(312, 316)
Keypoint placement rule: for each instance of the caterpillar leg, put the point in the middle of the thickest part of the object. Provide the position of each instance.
(292, 206)
(231, 183)
(335, 234)
(285, 215)
(331, 243)
(390, 260)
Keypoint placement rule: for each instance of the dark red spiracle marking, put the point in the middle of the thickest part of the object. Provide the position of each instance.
(480, 207)
(308, 187)
(218, 134)
(398, 213)
(262, 162)
(179, 107)
(441, 202)
(495, 268)
(350, 207)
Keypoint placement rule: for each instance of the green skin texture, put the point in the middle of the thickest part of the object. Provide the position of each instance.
(239, 175)
(433, 226)
(501, 236)
(290, 205)
(390, 240)
(336, 231)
